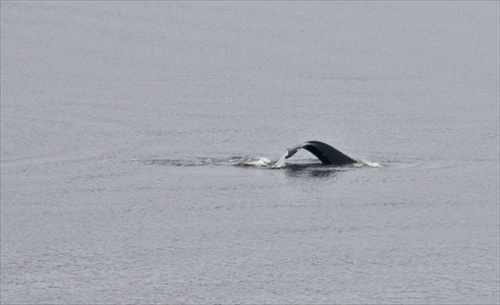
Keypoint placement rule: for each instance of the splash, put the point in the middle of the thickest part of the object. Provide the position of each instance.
(250, 161)
(361, 162)
(280, 163)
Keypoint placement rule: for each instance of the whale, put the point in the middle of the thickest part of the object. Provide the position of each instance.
(324, 152)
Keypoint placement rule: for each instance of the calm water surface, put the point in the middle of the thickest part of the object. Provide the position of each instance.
(119, 121)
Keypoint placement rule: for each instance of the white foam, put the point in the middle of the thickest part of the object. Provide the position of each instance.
(367, 163)
(256, 161)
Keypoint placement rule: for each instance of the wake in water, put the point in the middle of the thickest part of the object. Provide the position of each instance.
(256, 162)
(324, 152)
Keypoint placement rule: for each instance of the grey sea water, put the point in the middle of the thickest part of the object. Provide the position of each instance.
(122, 122)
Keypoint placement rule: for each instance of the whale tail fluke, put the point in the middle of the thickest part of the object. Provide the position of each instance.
(324, 152)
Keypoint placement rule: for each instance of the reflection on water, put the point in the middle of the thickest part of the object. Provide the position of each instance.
(312, 170)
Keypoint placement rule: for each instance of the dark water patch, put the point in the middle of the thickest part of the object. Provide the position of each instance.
(314, 170)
